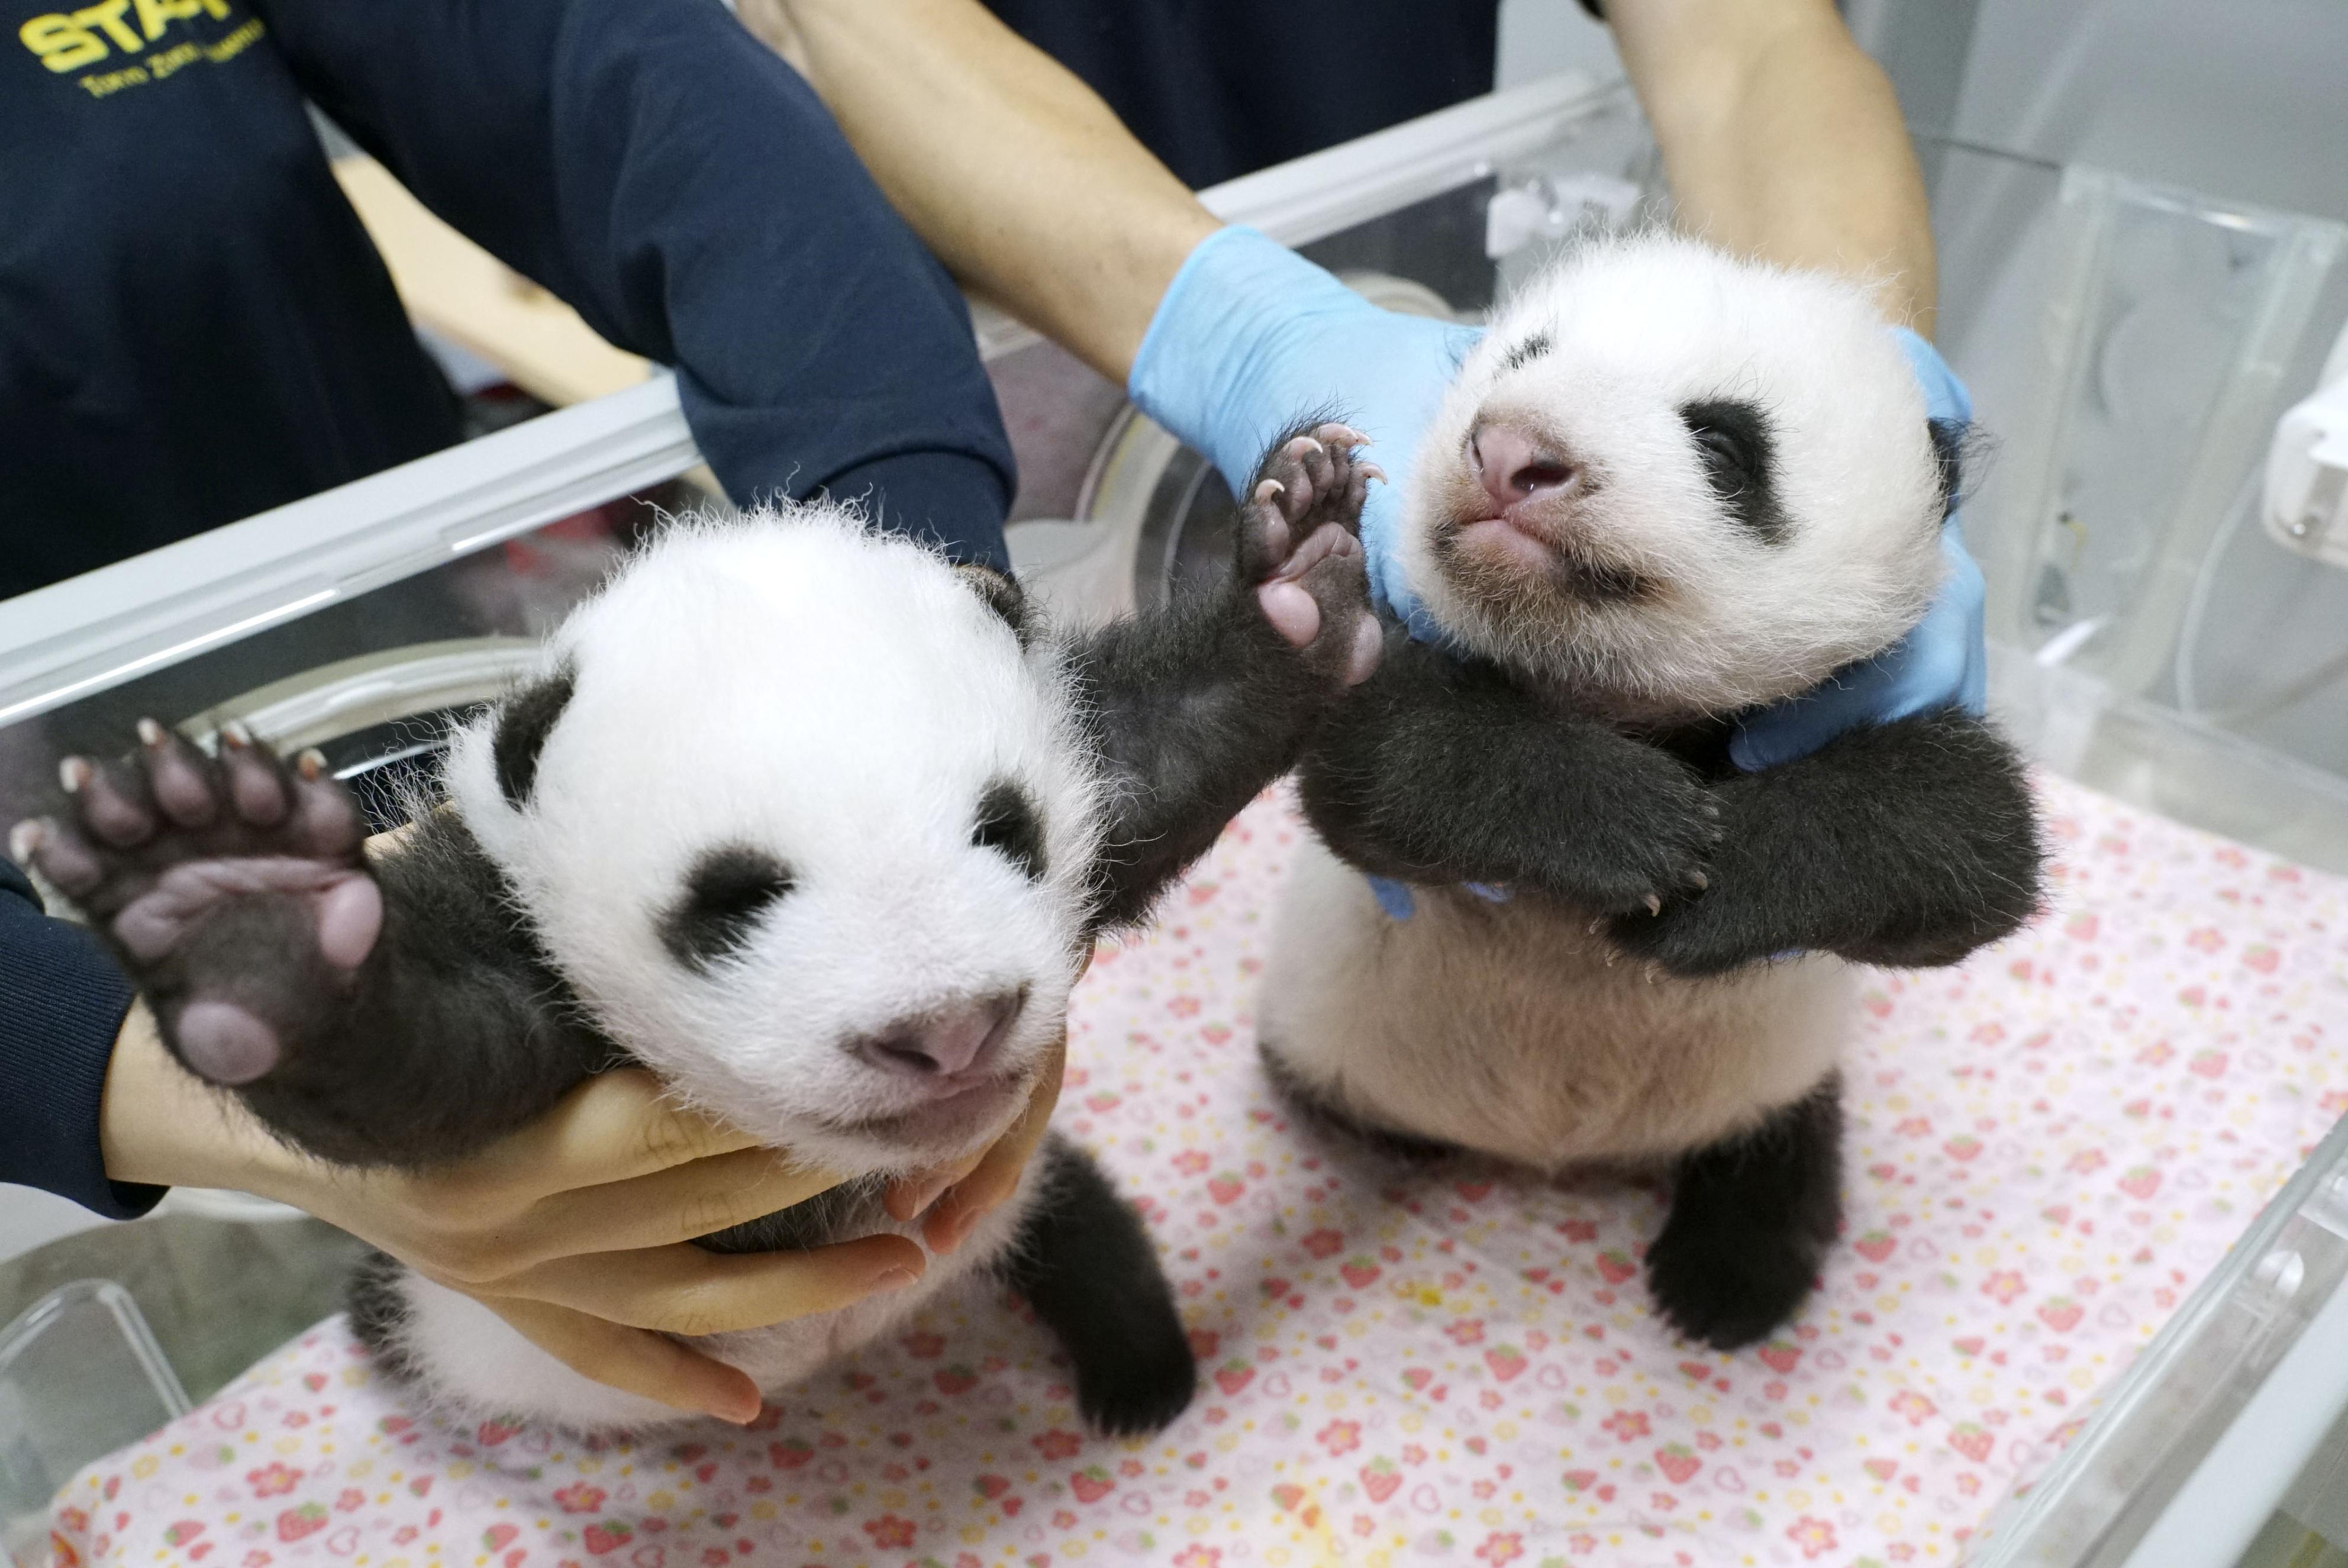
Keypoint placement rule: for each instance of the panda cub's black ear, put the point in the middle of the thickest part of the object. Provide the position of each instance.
(528, 717)
(1949, 440)
(1004, 595)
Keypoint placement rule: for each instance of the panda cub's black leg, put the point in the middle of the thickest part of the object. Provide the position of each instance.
(1086, 1266)
(1197, 706)
(1752, 1218)
(232, 890)
(376, 1312)
(339, 999)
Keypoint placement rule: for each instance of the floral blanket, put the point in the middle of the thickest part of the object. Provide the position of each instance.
(2048, 1148)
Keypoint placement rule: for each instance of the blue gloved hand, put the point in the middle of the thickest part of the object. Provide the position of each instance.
(1942, 663)
(1251, 338)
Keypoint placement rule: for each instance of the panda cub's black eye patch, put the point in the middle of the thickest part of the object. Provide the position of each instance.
(1733, 443)
(726, 892)
(1008, 825)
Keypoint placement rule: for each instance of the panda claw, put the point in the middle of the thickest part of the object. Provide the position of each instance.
(109, 810)
(1654, 903)
(1698, 881)
(179, 777)
(24, 841)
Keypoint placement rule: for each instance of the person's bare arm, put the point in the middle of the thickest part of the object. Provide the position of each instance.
(1780, 138)
(1783, 140)
(1008, 167)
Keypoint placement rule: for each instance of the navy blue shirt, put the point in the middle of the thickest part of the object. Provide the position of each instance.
(1218, 89)
(194, 326)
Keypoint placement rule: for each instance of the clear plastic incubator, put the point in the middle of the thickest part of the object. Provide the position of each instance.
(2161, 634)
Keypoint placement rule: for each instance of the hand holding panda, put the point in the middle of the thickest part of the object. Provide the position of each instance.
(1667, 488)
(816, 826)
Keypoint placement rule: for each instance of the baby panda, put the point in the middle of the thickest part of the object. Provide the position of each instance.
(814, 826)
(1666, 487)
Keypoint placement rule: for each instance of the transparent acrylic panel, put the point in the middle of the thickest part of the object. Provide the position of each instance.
(79, 1377)
(2188, 1391)
(2129, 348)
(385, 670)
(216, 1293)
(2309, 1528)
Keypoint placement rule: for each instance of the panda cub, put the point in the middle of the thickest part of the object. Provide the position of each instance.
(1668, 486)
(814, 826)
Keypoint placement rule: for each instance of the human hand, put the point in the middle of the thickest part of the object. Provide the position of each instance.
(576, 1230)
(1942, 661)
(1251, 337)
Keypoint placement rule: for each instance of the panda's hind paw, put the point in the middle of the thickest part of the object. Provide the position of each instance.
(1729, 1292)
(231, 889)
(1138, 1395)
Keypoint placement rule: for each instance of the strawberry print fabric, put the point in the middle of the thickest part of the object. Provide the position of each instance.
(2048, 1149)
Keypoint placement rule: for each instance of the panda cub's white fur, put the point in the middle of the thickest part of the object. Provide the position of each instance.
(835, 698)
(1625, 333)
(1562, 524)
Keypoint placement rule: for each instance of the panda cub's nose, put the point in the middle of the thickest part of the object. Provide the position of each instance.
(1515, 467)
(951, 1042)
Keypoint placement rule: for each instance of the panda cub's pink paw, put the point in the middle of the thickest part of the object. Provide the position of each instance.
(1300, 542)
(232, 888)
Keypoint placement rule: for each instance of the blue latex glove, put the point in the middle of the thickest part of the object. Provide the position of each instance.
(1943, 662)
(1251, 337)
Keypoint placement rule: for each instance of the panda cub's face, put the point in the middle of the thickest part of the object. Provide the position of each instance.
(808, 829)
(1677, 484)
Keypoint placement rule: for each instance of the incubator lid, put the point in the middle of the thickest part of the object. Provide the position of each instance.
(86, 635)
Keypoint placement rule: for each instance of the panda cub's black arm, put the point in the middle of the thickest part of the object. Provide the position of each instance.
(1195, 710)
(1442, 770)
(454, 1033)
(1197, 707)
(1908, 844)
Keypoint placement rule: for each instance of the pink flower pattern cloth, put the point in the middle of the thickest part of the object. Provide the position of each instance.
(2049, 1147)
